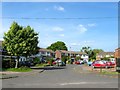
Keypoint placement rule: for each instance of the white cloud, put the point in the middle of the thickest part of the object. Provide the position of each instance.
(59, 8)
(83, 43)
(89, 41)
(62, 35)
(75, 44)
(92, 25)
(81, 28)
(58, 29)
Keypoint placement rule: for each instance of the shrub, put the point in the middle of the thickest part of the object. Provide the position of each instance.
(36, 60)
(64, 59)
(8, 63)
(51, 61)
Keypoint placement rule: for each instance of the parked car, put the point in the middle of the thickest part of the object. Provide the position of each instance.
(101, 64)
(77, 62)
(89, 63)
(54, 63)
(81, 62)
(59, 63)
(109, 63)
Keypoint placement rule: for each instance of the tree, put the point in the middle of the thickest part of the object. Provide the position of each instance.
(20, 41)
(97, 51)
(92, 53)
(87, 50)
(59, 45)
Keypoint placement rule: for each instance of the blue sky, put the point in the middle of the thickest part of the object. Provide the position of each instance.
(95, 32)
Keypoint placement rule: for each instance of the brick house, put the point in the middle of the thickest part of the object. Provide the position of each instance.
(117, 53)
(101, 55)
(117, 58)
(73, 54)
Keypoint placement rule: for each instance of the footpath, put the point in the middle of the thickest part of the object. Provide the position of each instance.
(10, 74)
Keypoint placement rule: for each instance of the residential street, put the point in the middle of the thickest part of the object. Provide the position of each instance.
(72, 76)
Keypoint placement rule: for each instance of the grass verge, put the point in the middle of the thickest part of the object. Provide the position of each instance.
(110, 73)
(41, 65)
(21, 69)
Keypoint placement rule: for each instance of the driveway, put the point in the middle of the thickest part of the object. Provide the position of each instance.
(72, 76)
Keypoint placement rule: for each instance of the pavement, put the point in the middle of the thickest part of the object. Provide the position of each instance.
(71, 76)
(10, 74)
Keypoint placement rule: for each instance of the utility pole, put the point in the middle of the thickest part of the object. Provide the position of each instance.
(70, 52)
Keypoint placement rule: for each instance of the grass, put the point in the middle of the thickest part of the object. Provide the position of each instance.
(21, 69)
(41, 65)
(110, 73)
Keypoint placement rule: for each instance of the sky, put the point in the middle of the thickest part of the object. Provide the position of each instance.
(78, 24)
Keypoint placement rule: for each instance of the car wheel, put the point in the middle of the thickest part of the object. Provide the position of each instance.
(106, 67)
(93, 66)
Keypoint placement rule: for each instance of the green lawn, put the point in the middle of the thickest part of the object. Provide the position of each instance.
(41, 65)
(21, 69)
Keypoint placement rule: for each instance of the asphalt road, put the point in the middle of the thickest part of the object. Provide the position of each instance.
(72, 76)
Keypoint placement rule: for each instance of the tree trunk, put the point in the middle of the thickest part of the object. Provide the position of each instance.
(17, 60)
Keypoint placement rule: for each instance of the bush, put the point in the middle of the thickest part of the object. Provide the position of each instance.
(51, 61)
(8, 63)
(64, 59)
(78, 58)
(36, 60)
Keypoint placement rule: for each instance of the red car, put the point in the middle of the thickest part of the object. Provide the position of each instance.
(101, 63)
(77, 62)
(54, 63)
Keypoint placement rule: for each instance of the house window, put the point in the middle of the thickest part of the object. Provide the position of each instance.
(42, 52)
(48, 52)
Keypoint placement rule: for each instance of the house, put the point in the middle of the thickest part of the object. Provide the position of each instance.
(72, 54)
(117, 53)
(45, 52)
(117, 58)
(101, 55)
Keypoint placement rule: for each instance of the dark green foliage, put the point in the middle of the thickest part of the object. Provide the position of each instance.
(105, 58)
(36, 60)
(59, 45)
(92, 53)
(51, 61)
(78, 58)
(8, 62)
(97, 50)
(64, 59)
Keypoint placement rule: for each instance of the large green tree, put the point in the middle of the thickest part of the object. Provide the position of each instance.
(20, 41)
(59, 45)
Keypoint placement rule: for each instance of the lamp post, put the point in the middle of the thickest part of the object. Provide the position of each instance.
(70, 56)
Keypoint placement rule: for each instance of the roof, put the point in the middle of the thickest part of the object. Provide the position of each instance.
(72, 52)
(106, 53)
(46, 50)
(118, 48)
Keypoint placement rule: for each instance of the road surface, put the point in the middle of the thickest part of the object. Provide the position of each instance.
(72, 76)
